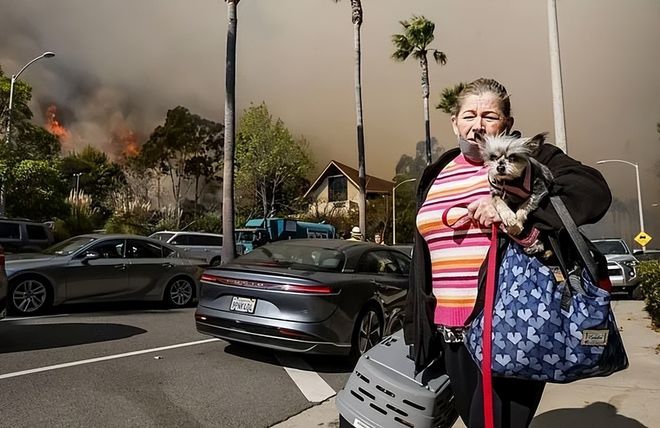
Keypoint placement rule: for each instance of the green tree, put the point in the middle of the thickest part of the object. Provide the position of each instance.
(38, 190)
(415, 40)
(228, 226)
(186, 146)
(412, 167)
(449, 98)
(357, 18)
(268, 162)
(21, 113)
(99, 177)
(406, 206)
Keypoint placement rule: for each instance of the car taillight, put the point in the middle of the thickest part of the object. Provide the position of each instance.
(2, 257)
(273, 286)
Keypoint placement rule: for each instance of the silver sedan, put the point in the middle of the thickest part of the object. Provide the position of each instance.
(101, 268)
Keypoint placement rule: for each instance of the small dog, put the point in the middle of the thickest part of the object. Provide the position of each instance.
(518, 182)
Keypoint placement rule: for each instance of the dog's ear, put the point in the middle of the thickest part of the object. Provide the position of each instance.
(535, 143)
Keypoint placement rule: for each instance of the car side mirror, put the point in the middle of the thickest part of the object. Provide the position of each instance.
(90, 255)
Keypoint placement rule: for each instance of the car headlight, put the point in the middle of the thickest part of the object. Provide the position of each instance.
(630, 263)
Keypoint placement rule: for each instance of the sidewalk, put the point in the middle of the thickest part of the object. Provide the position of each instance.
(627, 399)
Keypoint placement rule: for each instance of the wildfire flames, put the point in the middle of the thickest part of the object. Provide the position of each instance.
(128, 142)
(119, 140)
(53, 125)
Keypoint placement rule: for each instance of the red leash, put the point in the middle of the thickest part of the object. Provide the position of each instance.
(487, 341)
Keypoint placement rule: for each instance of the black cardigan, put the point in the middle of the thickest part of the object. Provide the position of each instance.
(584, 192)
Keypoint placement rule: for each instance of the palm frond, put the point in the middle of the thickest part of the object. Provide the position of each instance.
(440, 57)
(402, 46)
(449, 98)
(419, 54)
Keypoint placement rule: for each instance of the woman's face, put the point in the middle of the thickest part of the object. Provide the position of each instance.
(480, 113)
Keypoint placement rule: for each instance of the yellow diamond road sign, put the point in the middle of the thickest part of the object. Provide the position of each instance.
(643, 239)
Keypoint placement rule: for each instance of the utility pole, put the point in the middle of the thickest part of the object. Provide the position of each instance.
(555, 71)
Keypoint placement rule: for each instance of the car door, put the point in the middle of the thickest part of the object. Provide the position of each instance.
(103, 278)
(384, 271)
(182, 242)
(199, 247)
(148, 270)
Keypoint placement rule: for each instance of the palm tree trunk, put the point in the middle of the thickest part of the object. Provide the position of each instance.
(425, 95)
(356, 7)
(228, 247)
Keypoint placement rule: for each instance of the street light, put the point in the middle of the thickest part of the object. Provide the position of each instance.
(77, 175)
(639, 192)
(11, 89)
(394, 208)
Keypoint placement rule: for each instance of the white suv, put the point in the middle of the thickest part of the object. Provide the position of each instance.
(194, 245)
(621, 265)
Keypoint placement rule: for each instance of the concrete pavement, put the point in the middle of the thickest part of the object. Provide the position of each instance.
(627, 399)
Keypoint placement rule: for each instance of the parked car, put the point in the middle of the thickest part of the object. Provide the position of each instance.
(647, 255)
(306, 295)
(22, 235)
(3, 285)
(406, 248)
(101, 268)
(621, 265)
(197, 245)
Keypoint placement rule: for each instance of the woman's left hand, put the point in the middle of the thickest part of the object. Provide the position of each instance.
(483, 211)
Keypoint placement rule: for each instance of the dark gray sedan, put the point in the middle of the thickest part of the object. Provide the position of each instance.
(101, 268)
(307, 295)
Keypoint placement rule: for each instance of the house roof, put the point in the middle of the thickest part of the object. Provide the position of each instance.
(373, 185)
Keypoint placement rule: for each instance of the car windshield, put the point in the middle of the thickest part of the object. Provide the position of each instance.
(162, 236)
(611, 247)
(296, 257)
(244, 235)
(69, 246)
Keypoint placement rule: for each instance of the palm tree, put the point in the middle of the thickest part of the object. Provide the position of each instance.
(228, 247)
(356, 17)
(417, 36)
(449, 98)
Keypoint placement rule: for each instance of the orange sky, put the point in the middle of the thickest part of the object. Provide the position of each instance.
(138, 59)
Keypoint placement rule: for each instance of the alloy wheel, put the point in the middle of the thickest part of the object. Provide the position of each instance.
(29, 296)
(181, 292)
(370, 331)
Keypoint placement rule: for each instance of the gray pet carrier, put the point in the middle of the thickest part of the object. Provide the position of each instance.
(383, 392)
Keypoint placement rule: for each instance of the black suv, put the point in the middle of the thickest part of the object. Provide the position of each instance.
(24, 236)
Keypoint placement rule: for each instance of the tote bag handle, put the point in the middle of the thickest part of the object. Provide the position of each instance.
(576, 237)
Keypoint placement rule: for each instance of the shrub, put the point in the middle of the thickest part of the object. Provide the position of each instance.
(131, 215)
(208, 222)
(649, 273)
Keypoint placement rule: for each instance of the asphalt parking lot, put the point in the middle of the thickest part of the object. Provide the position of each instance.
(142, 365)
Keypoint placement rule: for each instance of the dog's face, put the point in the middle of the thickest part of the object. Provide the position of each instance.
(507, 156)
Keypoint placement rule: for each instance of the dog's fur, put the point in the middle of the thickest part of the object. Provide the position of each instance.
(508, 158)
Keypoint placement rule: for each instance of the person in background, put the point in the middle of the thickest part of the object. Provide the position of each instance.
(356, 234)
(447, 271)
(378, 239)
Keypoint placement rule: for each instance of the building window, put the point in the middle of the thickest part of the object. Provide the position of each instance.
(337, 188)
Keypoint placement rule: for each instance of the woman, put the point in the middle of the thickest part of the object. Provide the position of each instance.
(448, 266)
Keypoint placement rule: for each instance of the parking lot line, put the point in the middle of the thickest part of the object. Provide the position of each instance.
(313, 387)
(106, 358)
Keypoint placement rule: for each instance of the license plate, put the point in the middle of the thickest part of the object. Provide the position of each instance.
(242, 304)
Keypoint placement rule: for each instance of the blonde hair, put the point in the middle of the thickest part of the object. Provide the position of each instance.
(483, 86)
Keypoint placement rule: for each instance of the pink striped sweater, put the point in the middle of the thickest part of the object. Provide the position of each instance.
(456, 254)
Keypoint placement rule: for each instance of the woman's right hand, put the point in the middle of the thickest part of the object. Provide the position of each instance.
(483, 211)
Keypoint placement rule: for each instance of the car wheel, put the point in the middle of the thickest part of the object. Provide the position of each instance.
(179, 292)
(369, 331)
(636, 293)
(29, 296)
(215, 261)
